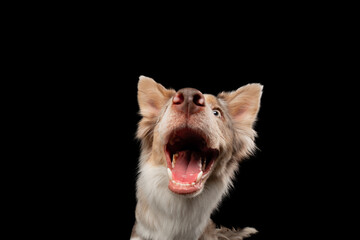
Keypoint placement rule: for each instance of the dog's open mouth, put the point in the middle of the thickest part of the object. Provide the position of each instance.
(189, 161)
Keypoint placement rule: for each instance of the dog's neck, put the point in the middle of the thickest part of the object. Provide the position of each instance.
(162, 214)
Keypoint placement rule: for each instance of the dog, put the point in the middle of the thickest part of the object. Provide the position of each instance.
(191, 146)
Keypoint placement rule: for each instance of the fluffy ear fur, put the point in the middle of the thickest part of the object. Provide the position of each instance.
(152, 96)
(244, 103)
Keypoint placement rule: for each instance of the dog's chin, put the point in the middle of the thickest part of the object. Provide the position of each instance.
(189, 160)
(187, 191)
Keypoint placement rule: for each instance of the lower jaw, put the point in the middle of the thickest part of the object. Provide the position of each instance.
(185, 188)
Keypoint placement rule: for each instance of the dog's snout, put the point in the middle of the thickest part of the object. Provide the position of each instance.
(189, 100)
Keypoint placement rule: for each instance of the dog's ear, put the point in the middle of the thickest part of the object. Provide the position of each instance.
(152, 96)
(244, 103)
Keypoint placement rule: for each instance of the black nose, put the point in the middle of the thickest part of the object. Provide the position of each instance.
(189, 100)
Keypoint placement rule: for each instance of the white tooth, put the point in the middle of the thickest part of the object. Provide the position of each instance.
(175, 156)
(169, 173)
(193, 183)
(204, 164)
(199, 176)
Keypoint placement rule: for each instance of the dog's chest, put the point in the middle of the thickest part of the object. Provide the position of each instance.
(172, 216)
(182, 218)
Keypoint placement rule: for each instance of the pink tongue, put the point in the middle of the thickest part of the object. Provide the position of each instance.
(187, 167)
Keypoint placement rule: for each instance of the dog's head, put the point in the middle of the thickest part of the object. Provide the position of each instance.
(195, 136)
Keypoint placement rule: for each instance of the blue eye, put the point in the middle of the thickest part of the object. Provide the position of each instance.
(216, 113)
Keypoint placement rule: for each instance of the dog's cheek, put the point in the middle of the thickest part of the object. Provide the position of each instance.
(157, 154)
(213, 127)
(165, 125)
(235, 146)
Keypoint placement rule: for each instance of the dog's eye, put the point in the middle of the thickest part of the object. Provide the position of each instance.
(216, 113)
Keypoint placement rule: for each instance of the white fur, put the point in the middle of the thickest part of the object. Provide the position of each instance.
(174, 215)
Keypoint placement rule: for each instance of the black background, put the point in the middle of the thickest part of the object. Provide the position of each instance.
(90, 69)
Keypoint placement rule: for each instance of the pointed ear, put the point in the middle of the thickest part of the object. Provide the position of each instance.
(244, 103)
(152, 96)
